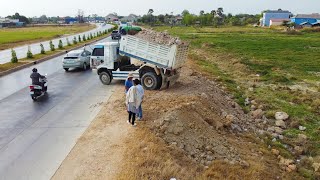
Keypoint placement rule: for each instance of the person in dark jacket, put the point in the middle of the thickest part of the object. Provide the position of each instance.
(35, 77)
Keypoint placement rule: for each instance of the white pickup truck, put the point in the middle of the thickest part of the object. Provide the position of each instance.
(156, 65)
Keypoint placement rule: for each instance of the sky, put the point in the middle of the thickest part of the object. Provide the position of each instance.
(31, 8)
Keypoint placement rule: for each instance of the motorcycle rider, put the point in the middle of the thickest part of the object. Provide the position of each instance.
(35, 76)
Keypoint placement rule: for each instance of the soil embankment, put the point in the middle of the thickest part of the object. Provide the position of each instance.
(193, 130)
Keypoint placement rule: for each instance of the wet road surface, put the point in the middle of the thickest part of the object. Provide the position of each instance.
(35, 137)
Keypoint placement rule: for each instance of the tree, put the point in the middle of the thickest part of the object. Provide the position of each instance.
(75, 40)
(43, 19)
(42, 51)
(29, 53)
(80, 16)
(150, 11)
(201, 12)
(91, 37)
(84, 37)
(188, 19)
(161, 18)
(220, 11)
(213, 13)
(51, 46)
(20, 17)
(79, 38)
(68, 42)
(185, 12)
(60, 45)
(14, 58)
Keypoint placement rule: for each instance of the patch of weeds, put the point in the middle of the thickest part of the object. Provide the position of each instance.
(306, 173)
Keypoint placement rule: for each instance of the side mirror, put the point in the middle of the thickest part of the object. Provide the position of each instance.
(66, 52)
(101, 61)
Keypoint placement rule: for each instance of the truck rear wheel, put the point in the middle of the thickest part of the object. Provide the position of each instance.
(150, 81)
(105, 78)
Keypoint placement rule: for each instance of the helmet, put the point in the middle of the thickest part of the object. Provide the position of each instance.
(34, 70)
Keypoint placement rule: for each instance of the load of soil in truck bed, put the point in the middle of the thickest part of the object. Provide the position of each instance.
(159, 37)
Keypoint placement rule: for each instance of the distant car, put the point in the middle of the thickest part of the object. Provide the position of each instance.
(115, 35)
(76, 59)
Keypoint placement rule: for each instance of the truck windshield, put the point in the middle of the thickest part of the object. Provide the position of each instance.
(98, 52)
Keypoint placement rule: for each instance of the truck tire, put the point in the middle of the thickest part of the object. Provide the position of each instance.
(105, 78)
(150, 81)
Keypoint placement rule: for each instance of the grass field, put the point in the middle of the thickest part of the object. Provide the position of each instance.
(278, 69)
(12, 37)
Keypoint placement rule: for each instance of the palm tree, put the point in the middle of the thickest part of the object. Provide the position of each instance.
(150, 15)
(220, 11)
(201, 12)
(150, 11)
(213, 13)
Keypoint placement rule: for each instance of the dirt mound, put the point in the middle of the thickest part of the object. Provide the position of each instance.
(159, 37)
(199, 118)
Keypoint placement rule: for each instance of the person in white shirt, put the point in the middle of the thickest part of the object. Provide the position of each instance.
(140, 96)
(133, 102)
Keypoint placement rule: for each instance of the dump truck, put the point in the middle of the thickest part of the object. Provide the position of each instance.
(156, 65)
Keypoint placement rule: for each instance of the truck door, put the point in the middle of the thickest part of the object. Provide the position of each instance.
(97, 56)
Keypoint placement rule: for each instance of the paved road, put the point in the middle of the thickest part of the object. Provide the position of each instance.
(5, 55)
(35, 137)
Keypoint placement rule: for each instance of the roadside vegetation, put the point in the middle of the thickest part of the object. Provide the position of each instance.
(15, 62)
(277, 69)
(13, 37)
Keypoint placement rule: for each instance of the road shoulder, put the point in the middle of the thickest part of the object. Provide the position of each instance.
(99, 151)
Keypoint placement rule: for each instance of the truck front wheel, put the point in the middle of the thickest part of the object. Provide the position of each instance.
(150, 81)
(105, 78)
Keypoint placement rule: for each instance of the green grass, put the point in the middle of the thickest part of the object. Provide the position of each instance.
(12, 37)
(281, 59)
(9, 65)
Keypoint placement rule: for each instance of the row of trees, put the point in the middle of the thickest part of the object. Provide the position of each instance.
(75, 41)
(212, 18)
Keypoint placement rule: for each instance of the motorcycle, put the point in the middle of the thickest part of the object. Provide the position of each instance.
(37, 90)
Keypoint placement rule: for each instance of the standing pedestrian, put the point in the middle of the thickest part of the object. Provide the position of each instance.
(129, 83)
(140, 96)
(132, 103)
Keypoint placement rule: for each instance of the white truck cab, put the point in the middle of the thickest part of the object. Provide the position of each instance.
(156, 65)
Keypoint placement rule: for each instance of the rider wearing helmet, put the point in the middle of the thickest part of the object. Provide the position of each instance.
(35, 76)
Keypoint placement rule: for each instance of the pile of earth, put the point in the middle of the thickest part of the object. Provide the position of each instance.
(159, 37)
(196, 116)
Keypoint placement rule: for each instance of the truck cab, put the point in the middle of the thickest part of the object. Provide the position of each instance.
(158, 66)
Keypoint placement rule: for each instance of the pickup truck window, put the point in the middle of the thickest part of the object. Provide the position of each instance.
(98, 52)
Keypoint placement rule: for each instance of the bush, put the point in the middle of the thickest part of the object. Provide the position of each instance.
(68, 42)
(84, 37)
(42, 51)
(60, 45)
(75, 40)
(14, 58)
(51, 46)
(29, 53)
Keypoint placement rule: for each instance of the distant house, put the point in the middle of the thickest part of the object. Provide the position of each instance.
(306, 20)
(6, 22)
(178, 20)
(112, 18)
(277, 14)
(278, 22)
(131, 18)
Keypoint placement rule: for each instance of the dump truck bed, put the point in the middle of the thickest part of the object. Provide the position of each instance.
(163, 56)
